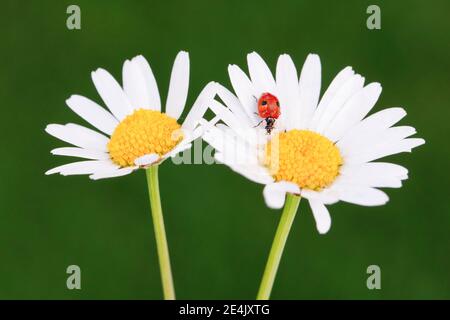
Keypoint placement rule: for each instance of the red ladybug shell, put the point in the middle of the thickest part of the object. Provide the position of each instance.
(268, 106)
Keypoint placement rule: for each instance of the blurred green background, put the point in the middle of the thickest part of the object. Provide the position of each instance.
(218, 227)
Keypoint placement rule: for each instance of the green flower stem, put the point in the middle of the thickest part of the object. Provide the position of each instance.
(160, 233)
(281, 235)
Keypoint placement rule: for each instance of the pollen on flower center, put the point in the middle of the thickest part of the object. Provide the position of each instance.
(304, 157)
(143, 132)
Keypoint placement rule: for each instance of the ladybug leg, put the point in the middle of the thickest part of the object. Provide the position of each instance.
(258, 124)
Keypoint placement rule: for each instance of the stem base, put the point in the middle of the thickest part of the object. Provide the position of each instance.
(160, 233)
(279, 241)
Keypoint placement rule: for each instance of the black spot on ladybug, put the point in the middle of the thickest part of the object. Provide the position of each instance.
(264, 102)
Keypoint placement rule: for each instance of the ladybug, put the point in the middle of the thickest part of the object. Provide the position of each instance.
(269, 110)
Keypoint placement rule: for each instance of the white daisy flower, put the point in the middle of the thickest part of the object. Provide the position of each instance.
(325, 148)
(135, 132)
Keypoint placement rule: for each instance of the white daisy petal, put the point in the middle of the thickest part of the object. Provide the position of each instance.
(250, 136)
(78, 136)
(353, 111)
(288, 94)
(226, 115)
(235, 143)
(225, 142)
(369, 128)
(150, 83)
(260, 74)
(363, 196)
(374, 174)
(325, 196)
(375, 141)
(256, 174)
(347, 90)
(243, 159)
(385, 150)
(84, 167)
(179, 148)
(309, 89)
(93, 113)
(275, 193)
(396, 134)
(379, 168)
(80, 153)
(112, 173)
(215, 138)
(321, 215)
(179, 85)
(235, 152)
(147, 159)
(368, 179)
(112, 94)
(200, 106)
(189, 136)
(233, 103)
(222, 139)
(203, 127)
(244, 90)
(134, 85)
(341, 78)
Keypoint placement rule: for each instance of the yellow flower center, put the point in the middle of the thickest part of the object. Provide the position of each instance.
(143, 132)
(304, 157)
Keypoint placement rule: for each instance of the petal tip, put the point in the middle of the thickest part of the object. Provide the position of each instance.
(313, 55)
(51, 171)
(93, 177)
(182, 55)
(324, 230)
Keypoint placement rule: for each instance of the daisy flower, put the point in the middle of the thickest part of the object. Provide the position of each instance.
(133, 133)
(322, 150)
